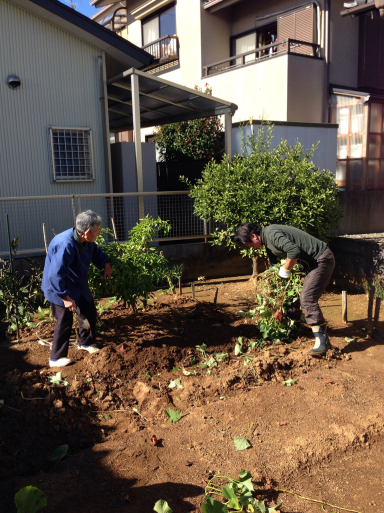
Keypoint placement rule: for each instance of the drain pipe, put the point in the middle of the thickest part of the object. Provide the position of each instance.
(326, 61)
(104, 118)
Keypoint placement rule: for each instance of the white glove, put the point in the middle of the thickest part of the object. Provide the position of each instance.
(283, 273)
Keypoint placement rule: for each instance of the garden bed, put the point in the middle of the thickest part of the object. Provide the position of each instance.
(321, 437)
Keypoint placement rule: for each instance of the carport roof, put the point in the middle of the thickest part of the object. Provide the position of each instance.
(161, 102)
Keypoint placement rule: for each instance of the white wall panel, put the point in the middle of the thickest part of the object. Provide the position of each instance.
(59, 87)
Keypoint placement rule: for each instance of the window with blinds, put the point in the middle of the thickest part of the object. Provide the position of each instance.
(300, 25)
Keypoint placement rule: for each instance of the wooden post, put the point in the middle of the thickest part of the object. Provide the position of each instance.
(180, 287)
(370, 309)
(377, 312)
(215, 298)
(114, 229)
(45, 238)
(344, 310)
(193, 290)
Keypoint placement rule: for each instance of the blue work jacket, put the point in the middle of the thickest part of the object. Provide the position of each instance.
(66, 268)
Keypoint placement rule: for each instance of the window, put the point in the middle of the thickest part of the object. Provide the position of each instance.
(71, 150)
(160, 25)
(255, 39)
(360, 142)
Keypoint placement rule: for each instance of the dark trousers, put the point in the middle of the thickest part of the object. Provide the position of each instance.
(313, 287)
(63, 327)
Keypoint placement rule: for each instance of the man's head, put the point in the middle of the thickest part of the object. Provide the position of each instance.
(88, 225)
(249, 234)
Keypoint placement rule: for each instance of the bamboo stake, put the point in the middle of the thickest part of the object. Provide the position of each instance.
(377, 312)
(45, 238)
(370, 309)
(114, 230)
(193, 290)
(215, 298)
(180, 287)
(344, 309)
(168, 276)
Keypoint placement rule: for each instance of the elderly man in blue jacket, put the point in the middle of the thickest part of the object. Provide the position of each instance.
(65, 283)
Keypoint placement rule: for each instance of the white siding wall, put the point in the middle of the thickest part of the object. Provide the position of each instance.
(323, 158)
(59, 87)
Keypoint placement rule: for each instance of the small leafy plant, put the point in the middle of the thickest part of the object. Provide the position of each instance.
(161, 506)
(59, 453)
(30, 500)
(209, 361)
(20, 293)
(173, 415)
(275, 296)
(237, 495)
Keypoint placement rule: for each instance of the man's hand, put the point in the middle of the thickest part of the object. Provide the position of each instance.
(107, 271)
(69, 303)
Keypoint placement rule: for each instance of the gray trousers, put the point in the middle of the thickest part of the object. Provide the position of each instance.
(314, 285)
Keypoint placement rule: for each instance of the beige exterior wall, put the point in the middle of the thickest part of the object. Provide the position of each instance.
(305, 89)
(250, 88)
(344, 35)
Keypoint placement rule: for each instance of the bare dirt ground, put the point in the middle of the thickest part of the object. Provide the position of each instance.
(322, 438)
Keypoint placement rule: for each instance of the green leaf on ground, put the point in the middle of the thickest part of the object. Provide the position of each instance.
(107, 417)
(30, 500)
(350, 340)
(241, 443)
(1, 403)
(173, 415)
(228, 493)
(289, 382)
(175, 384)
(245, 480)
(56, 379)
(161, 506)
(59, 453)
(175, 369)
(212, 506)
(186, 373)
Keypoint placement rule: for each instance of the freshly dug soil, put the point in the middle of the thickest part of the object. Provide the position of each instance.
(322, 437)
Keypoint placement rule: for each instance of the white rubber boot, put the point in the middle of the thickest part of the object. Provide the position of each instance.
(322, 343)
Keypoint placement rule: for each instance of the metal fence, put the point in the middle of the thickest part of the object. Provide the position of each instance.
(28, 214)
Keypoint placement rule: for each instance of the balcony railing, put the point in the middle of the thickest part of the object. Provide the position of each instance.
(164, 50)
(285, 46)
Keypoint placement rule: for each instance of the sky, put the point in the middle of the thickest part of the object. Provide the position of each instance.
(83, 7)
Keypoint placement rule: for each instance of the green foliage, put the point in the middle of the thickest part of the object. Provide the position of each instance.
(161, 506)
(274, 295)
(59, 453)
(209, 360)
(30, 500)
(137, 267)
(173, 415)
(237, 495)
(20, 294)
(241, 443)
(196, 139)
(267, 186)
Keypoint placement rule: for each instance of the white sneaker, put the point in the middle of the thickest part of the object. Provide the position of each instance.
(90, 349)
(61, 362)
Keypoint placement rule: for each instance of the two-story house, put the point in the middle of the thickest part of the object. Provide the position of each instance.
(283, 60)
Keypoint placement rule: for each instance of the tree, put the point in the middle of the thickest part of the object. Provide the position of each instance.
(195, 139)
(267, 186)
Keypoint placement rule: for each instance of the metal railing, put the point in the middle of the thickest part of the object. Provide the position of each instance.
(28, 214)
(164, 49)
(285, 46)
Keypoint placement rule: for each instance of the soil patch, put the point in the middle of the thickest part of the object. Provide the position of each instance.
(322, 437)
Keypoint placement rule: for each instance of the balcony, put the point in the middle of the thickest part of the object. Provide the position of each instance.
(165, 51)
(285, 46)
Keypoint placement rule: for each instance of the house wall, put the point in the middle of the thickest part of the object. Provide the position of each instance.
(59, 87)
(305, 92)
(308, 135)
(344, 46)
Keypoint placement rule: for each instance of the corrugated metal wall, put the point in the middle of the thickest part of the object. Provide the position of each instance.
(59, 87)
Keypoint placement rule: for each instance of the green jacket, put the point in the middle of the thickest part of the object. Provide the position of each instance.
(288, 242)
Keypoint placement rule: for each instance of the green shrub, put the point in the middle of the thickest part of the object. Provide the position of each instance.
(137, 267)
(268, 186)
